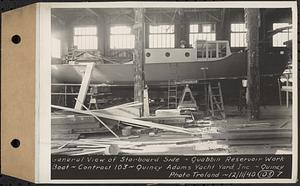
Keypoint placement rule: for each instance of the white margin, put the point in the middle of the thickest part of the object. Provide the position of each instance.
(44, 93)
(37, 94)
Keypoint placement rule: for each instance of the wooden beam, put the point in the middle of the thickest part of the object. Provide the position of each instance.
(93, 12)
(180, 28)
(253, 86)
(139, 58)
(84, 85)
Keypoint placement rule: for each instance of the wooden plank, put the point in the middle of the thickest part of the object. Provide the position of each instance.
(146, 103)
(262, 135)
(125, 105)
(70, 126)
(128, 120)
(73, 119)
(64, 136)
(90, 130)
(84, 85)
(259, 142)
(251, 130)
(61, 151)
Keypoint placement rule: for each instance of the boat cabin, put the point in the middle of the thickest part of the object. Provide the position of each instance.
(203, 51)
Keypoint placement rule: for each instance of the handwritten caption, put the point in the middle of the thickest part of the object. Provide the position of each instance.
(171, 167)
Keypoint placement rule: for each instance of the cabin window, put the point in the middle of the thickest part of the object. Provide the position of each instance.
(55, 48)
(201, 50)
(238, 35)
(282, 36)
(86, 38)
(212, 50)
(202, 31)
(121, 37)
(222, 49)
(161, 36)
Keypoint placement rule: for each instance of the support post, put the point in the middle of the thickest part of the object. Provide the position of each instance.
(84, 87)
(146, 102)
(180, 29)
(279, 91)
(139, 57)
(253, 21)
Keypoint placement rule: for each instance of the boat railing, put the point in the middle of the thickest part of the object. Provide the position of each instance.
(208, 50)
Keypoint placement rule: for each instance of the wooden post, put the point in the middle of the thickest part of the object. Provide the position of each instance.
(279, 91)
(252, 21)
(180, 28)
(146, 103)
(139, 57)
(84, 87)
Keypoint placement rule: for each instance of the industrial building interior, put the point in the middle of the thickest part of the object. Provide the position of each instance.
(171, 81)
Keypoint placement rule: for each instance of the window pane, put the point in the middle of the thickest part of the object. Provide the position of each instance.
(238, 27)
(202, 36)
(121, 37)
(193, 28)
(281, 37)
(202, 31)
(238, 35)
(279, 25)
(206, 28)
(161, 29)
(233, 42)
(120, 30)
(161, 36)
(91, 30)
(122, 41)
(86, 37)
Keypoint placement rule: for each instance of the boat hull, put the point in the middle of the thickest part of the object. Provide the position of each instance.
(231, 67)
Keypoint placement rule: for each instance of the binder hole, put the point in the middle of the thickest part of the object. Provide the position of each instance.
(16, 39)
(15, 143)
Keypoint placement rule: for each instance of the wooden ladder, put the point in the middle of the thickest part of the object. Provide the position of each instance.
(172, 94)
(216, 104)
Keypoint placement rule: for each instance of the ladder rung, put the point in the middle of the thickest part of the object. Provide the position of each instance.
(215, 87)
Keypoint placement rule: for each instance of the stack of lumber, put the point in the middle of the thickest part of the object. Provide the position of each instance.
(255, 134)
(125, 120)
(70, 126)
